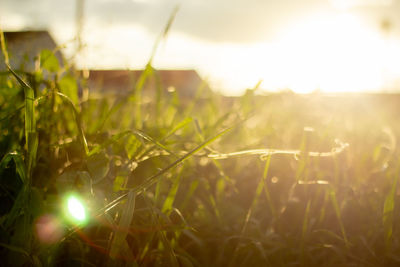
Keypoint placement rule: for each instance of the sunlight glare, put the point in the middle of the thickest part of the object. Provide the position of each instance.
(347, 4)
(329, 52)
(334, 54)
(76, 209)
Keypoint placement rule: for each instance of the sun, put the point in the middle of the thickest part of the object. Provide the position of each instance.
(333, 53)
(328, 52)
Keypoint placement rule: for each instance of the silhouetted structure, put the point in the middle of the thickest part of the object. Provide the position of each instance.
(25, 46)
(185, 82)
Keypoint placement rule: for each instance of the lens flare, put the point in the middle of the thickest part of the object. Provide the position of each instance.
(48, 229)
(76, 209)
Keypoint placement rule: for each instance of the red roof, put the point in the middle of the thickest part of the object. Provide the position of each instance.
(186, 82)
(24, 46)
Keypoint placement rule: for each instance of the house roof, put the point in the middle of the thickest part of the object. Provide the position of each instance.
(27, 35)
(24, 46)
(186, 82)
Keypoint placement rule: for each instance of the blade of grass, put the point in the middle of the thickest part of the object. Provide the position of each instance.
(22, 203)
(19, 163)
(4, 48)
(265, 185)
(259, 190)
(19, 202)
(151, 180)
(12, 113)
(31, 137)
(212, 201)
(148, 71)
(164, 33)
(179, 126)
(253, 205)
(81, 133)
(387, 219)
(164, 242)
(169, 201)
(304, 233)
(263, 153)
(137, 133)
(155, 143)
(339, 216)
(118, 242)
(192, 189)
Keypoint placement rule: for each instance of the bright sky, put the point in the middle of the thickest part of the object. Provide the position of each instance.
(304, 45)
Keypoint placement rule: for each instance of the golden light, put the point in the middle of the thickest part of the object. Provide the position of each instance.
(330, 52)
(335, 53)
(347, 4)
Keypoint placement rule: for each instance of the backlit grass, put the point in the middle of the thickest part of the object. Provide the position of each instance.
(257, 180)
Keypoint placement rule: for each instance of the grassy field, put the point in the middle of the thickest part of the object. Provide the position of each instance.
(257, 180)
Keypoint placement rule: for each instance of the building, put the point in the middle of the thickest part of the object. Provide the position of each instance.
(184, 82)
(24, 47)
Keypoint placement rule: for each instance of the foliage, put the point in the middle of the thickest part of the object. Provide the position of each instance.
(164, 185)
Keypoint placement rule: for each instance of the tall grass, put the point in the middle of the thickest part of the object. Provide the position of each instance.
(274, 180)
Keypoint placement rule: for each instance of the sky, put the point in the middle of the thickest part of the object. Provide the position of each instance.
(302, 45)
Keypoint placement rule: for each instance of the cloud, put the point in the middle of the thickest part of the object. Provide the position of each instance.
(217, 21)
(38, 13)
(232, 21)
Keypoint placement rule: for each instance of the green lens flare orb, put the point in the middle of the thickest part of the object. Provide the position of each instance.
(76, 210)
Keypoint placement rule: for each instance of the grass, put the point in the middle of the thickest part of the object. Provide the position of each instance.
(273, 180)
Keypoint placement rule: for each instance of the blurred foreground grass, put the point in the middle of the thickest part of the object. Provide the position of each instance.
(314, 182)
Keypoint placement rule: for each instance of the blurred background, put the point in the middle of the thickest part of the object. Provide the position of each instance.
(107, 161)
(305, 46)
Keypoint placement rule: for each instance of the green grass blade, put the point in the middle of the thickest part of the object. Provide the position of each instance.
(4, 48)
(179, 126)
(148, 71)
(164, 33)
(259, 190)
(253, 205)
(119, 240)
(164, 243)
(31, 137)
(388, 210)
(151, 180)
(339, 216)
(151, 140)
(169, 201)
(192, 189)
(81, 133)
(30, 123)
(19, 163)
(304, 233)
(266, 190)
